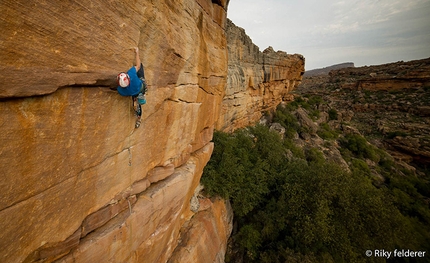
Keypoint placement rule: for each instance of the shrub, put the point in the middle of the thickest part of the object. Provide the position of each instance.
(360, 167)
(308, 210)
(284, 117)
(315, 100)
(314, 155)
(391, 135)
(297, 151)
(359, 146)
(314, 114)
(332, 114)
(326, 132)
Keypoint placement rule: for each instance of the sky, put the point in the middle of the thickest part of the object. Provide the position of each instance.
(328, 32)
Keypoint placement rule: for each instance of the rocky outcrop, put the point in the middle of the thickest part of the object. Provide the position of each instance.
(388, 77)
(389, 102)
(257, 81)
(215, 216)
(326, 70)
(79, 183)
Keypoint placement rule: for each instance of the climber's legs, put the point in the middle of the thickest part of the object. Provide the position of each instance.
(138, 110)
(136, 106)
(141, 72)
(141, 75)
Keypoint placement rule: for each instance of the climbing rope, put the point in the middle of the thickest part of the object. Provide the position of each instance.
(129, 157)
(130, 238)
(129, 137)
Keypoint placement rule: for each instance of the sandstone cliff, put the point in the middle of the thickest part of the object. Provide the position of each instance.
(79, 183)
(256, 81)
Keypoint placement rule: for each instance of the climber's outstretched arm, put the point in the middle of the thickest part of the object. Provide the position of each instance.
(136, 49)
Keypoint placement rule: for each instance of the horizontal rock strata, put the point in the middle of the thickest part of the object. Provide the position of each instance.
(257, 81)
(390, 101)
(79, 182)
(72, 163)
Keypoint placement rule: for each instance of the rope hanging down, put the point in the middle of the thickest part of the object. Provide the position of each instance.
(129, 157)
(129, 139)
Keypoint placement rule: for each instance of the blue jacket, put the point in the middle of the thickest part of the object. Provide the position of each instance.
(135, 84)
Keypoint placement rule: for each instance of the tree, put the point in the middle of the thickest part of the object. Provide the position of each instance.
(305, 209)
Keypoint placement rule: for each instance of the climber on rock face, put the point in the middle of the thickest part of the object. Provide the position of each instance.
(133, 84)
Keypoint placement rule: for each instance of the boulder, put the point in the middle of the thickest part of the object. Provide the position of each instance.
(305, 121)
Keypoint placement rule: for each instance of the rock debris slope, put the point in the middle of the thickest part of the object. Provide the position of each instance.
(68, 191)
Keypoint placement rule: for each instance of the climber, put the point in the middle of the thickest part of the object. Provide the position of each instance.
(133, 84)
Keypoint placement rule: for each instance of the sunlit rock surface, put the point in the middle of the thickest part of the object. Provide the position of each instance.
(257, 81)
(79, 182)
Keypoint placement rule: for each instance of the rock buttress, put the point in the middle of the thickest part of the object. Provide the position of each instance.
(257, 81)
(68, 193)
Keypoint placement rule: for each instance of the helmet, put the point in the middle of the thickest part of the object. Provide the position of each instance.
(123, 79)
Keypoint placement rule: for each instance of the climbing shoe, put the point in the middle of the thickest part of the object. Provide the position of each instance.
(137, 125)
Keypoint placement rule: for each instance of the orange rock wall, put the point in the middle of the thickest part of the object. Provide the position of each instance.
(256, 81)
(79, 183)
(68, 192)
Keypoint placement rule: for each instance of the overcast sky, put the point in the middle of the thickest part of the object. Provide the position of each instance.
(328, 32)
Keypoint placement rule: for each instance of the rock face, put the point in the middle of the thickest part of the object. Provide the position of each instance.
(46, 46)
(256, 81)
(79, 183)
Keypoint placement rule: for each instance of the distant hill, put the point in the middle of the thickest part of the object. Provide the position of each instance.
(326, 70)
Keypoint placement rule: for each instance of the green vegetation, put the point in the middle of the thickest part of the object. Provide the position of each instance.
(287, 120)
(326, 132)
(332, 114)
(301, 208)
(359, 146)
(391, 135)
(310, 103)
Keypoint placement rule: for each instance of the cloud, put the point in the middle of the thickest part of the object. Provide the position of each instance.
(328, 30)
(360, 15)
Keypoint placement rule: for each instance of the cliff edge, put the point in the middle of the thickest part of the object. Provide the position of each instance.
(79, 183)
(256, 81)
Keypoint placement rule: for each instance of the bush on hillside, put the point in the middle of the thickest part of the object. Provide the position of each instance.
(326, 133)
(304, 209)
(332, 114)
(359, 146)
